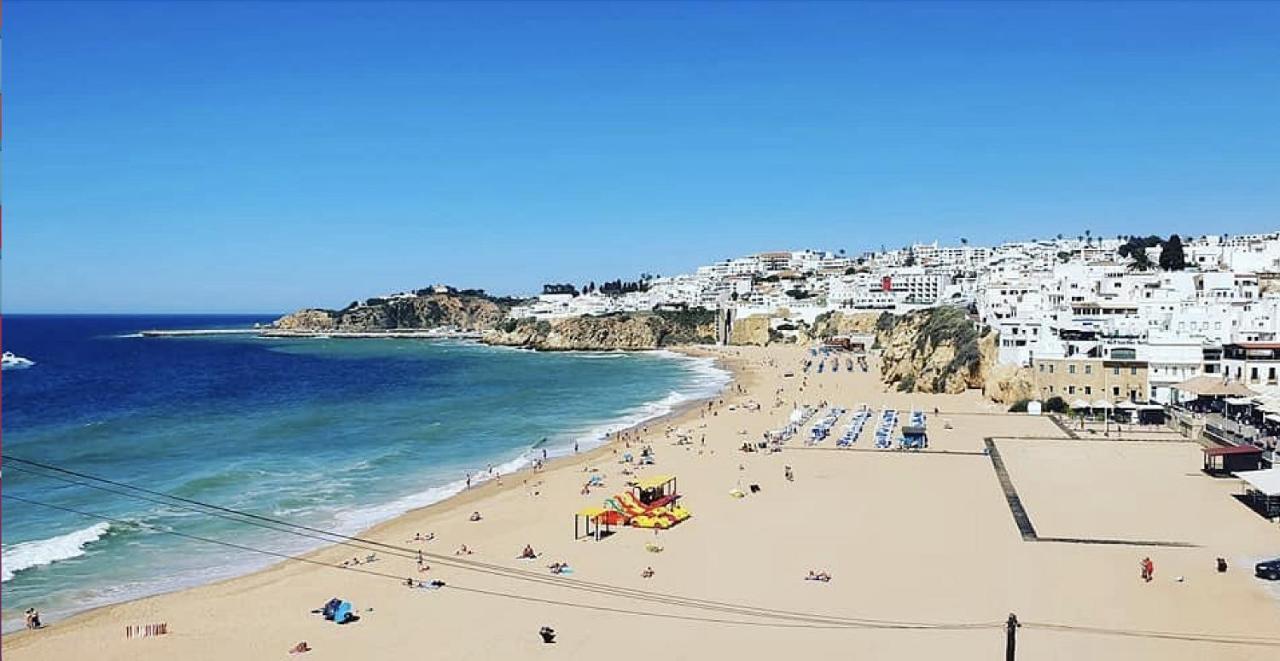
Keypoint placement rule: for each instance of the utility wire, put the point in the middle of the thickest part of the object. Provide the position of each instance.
(493, 593)
(808, 620)
(493, 569)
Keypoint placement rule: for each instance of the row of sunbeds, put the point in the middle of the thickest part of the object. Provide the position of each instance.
(822, 429)
(884, 431)
(854, 429)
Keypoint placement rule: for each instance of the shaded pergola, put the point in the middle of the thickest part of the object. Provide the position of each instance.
(1263, 490)
(1207, 387)
(1231, 459)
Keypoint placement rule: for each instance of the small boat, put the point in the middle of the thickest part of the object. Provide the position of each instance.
(9, 361)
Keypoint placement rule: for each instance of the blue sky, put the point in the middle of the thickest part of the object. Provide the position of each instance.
(263, 156)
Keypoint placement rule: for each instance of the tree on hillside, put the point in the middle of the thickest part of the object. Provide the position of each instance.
(1171, 256)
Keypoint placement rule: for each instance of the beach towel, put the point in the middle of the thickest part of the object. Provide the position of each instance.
(343, 613)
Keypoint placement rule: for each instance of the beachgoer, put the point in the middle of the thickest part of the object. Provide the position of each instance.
(463, 550)
(1222, 565)
(475, 516)
(647, 573)
(300, 648)
(548, 634)
(528, 553)
(1148, 569)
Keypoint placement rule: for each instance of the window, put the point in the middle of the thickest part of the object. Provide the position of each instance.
(1071, 369)
(1115, 371)
(1071, 390)
(1115, 391)
(1088, 369)
(1088, 390)
(1133, 371)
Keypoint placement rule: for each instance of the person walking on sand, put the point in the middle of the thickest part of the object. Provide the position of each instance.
(1148, 569)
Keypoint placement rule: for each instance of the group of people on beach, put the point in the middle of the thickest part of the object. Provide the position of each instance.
(33, 618)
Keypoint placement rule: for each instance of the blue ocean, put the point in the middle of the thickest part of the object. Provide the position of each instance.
(334, 433)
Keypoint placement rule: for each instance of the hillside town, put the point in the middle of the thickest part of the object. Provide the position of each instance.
(1100, 322)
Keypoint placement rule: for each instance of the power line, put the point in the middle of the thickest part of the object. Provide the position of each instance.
(493, 593)
(492, 569)
(798, 619)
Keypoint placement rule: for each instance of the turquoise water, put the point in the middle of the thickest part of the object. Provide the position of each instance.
(338, 434)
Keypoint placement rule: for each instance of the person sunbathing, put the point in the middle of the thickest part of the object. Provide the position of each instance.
(463, 550)
(527, 553)
(647, 573)
(300, 648)
(475, 516)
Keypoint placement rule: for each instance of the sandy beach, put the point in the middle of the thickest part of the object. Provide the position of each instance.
(926, 558)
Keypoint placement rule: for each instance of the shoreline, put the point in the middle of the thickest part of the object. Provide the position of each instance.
(481, 489)
(923, 536)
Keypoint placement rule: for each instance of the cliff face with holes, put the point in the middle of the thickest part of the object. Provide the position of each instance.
(632, 331)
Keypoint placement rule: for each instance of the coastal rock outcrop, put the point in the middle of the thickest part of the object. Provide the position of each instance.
(750, 331)
(424, 309)
(935, 351)
(831, 324)
(630, 331)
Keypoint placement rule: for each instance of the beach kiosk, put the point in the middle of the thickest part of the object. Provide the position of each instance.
(915, 437)
(1231, 459)
(592, 522)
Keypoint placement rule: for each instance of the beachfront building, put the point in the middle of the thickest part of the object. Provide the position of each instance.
(1252, 363)
(1090, 379)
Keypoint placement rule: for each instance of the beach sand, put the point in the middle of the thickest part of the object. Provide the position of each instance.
(911, 539)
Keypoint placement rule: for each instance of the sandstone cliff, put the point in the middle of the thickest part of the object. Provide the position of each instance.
(935, 350)
(830, 324)
(627, 331)
(426, 309)
(750, 331)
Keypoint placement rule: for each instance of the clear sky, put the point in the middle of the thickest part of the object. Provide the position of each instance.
(263, 156)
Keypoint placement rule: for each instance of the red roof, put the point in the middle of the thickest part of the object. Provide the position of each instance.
(1231, 449)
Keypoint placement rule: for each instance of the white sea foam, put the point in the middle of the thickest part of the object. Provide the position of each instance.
(708, 381)
(40, 552)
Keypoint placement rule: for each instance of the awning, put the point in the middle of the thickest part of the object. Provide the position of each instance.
(1212, 386)
(592, 512)
(1231, 450)
(1239, 401)
(1271, 417)
(654, 482)
(1126, 404)
(1101, 404)
(1267, 481)
(1080, 404)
